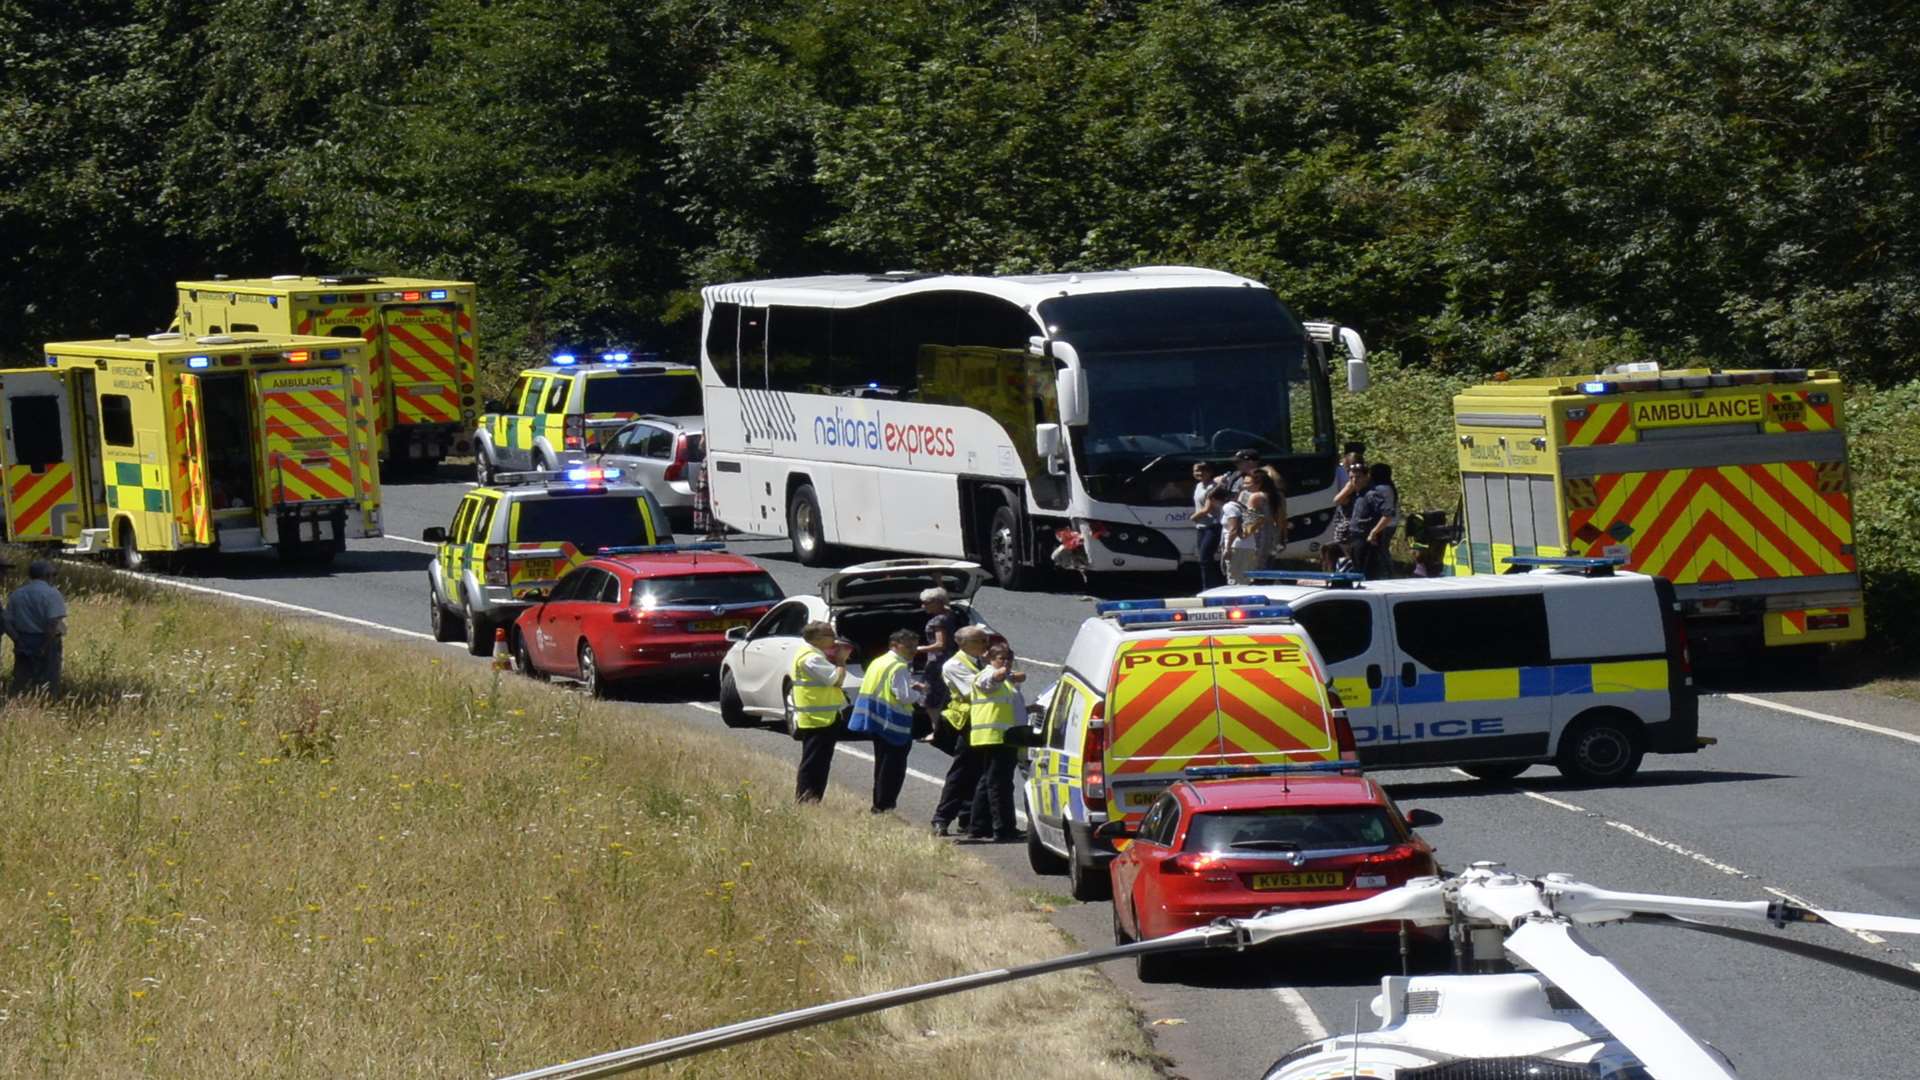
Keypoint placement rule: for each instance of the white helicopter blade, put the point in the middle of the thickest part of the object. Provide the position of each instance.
(1587, 904)
(1605, 992)
(1422, 901)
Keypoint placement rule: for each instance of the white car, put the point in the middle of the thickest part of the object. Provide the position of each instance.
(865, 603)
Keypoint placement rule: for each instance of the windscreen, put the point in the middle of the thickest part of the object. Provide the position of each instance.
(659, 395)
(700, 590)
(588, 523)
(1288, 829)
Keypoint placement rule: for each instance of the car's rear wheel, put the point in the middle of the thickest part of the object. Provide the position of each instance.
(523, 658)
(789, 721)
(1086, 880)
(482, 467)
(445, 626)
(804, 527)
(590, 678)
(1601, 748)
(1042, 860)
(1154, 967)
(479, 633)
(131, 557)
(733, 711)
(1496, 772)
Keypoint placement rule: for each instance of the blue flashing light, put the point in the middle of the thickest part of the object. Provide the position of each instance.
(1332, 579)
(873, 386)
(1597, 388)
(614, 357)
(1171, 603)
(563, 359)
(436, 294)
(273, 301)
(1209, 616)
(1595, 566)
(329, 354)
(587, 474)
(1229, 772)
(198, 362)
(663, 549)
(329, 298)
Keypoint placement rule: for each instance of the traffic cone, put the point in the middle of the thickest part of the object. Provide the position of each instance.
(502, 656)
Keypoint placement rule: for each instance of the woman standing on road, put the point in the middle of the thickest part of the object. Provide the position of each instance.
(1249, 534)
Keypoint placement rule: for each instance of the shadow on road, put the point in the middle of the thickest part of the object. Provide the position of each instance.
(1304, 964)
(1464, 788)
(266, 567)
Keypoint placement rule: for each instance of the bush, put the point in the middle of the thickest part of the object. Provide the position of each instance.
(1884, 454)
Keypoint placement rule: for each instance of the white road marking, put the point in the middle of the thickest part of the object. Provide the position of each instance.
(1825, 718)
(409, 540)
(1302, 1013)
(1725, 868)
(1864, 935)
(282, 605)
(1548, 799)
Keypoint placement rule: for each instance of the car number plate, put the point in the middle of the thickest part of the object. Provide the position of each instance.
(1138, 800)
(716, 624)
(1303, 879)
(536, 569)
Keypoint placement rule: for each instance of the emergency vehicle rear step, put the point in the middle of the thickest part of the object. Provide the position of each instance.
(241, 538)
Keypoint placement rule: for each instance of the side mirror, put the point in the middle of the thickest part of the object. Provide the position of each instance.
(1115, 830)
(1358, 378)
(1046, 440)
(1422, 819)
(435, 535)
(1070, 385)
(736, 633)
(534, 596)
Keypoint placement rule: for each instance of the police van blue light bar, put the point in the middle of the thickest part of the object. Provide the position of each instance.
(1177, 603)
(1332, 579)
(1594, 566)
(588, 474)
(1230, 772)
(563, 359)
(1203, 616)
(436, 294)
(199, 362)
(663, 549)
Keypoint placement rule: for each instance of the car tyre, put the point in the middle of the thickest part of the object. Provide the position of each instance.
(479, 633)
(523, 658)
(1087, 882)
(789, 722)
(1496, 772)
(733, 711)
(805, 529)
(445, 626)
(590, 679)
(483, 470)
(1601, 748)
(1003, 551)
(1153, 967)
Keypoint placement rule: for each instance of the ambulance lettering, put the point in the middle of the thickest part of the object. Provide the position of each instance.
(1421, 729)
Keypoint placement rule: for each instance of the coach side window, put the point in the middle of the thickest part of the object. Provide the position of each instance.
(723, 343)
(800, 350)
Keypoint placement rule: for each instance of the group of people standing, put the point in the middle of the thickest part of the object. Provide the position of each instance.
(955, 688)
(1241, 517)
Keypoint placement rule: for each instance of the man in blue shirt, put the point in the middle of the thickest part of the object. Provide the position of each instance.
(37, 622)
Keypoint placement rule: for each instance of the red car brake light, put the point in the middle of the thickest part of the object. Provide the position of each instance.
(677, 468)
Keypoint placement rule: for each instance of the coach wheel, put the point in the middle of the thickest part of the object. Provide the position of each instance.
(1086, 881)
(1498, 772)
(131, 557)
(733, 712)
(1003, 551)
(804, 527)
(1601, 748)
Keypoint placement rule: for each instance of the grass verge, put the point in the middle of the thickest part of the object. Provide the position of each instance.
(243, 846)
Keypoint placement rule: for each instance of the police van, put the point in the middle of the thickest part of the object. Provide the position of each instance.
(1150, 692)
(1562, 660)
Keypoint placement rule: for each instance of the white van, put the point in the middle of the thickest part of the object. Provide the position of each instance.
(1571, 662)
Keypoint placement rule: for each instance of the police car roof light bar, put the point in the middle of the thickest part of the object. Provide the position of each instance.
(663, 549)
(1176, 603)
(1597, 566)
(1229, 772)
(1332, 579)
(1211, 616)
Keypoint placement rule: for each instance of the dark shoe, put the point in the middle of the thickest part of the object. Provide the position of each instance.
(940, 828)
(1014, 837)
(980, 836)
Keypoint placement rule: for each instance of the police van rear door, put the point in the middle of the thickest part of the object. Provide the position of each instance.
(1350, 629)
(43, 467)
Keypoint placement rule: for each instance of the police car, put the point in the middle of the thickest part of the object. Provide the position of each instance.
(557, 411)
(1152, 690)
(518, 536)
(1568, 661)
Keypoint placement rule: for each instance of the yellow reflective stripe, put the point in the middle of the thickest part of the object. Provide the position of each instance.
(1490, 684)
(1628, 675)
(1354, 692)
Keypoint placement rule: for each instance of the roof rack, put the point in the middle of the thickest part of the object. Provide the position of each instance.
(1599, 566)
(663, 549)
(1229, 772)
(1202, 616)
(1331, 579)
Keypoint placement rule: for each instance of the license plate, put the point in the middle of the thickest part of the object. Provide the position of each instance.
(1138, 800)
(1303, 879)
(721, 625)
(537, 569)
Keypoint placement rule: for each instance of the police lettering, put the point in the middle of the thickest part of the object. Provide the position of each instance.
(1235, 655)
(1438, 729)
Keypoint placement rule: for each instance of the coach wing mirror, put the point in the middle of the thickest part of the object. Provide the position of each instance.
(1114, 830)
(1358, 377)
(1422, 819)
(1070, 386)
(435, 535)
(1046, 439)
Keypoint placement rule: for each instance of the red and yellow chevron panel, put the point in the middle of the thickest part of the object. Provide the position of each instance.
(426, 356)
(1725, 523)
(1216, 699)
(32, 498)
(309, 454)
(1600, 423)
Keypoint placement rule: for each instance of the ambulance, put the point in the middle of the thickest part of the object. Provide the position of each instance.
(170, 443)
(419, 339)
(1562, 661)
(1733, 485)
(1150, 692)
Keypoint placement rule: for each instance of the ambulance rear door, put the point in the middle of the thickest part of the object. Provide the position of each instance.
(423, 361)
(45, 476)
(307, 451)
(354, 316)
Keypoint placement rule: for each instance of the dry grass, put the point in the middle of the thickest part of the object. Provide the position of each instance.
(248, 847)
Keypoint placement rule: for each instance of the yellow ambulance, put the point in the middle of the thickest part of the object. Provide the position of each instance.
(169, 443)
(1733, 485)
(419, 339)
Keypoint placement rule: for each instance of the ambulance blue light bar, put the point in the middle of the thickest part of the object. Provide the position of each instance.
(1209, 616)
(1601, 566)
(436, 294)
(591, 474)
(1598, 388)
(563, 359)
(1177, 603)
(1231, 772)
(1332, 579)
(663, 549)
(199, 362)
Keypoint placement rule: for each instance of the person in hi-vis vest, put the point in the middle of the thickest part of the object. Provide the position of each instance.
(997, 706)
(883, 711)
(963, 773)
(816, 700)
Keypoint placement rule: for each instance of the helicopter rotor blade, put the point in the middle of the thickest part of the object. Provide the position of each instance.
(1423, 901)
(1605, 992)
(615, 1062)
(1585, 903)
(1905, 978)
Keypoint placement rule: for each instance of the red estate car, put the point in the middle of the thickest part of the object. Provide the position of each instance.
(661, 609)
(1234, 847)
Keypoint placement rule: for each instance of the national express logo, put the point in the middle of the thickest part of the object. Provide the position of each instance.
(858, 433)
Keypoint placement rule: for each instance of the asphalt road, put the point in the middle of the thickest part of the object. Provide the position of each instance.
(1791, 802)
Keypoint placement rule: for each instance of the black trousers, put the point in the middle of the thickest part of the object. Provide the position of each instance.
(993, 795)
(889, 772)
(816, 761)
(1208, 540)
(956, 795)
